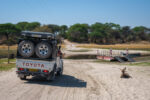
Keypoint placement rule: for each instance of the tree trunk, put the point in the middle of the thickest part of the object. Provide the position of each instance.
(8, 46)
(8, 54)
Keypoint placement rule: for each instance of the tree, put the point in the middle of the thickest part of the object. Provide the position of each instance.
(11, 31)
(63, 31)
(28, 26)
(113, 33)
(141, 33)
(95, 37)
(32, 26)
(113, 26)
(78, 33)
(99, 33)
(115, 36)
(54, 28)
(126, 34)
(22, 25)
(44, 28)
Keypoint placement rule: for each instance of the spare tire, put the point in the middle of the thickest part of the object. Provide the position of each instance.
(43, 50)
(26, 48)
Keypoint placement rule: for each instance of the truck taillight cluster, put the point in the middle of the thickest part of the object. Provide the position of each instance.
(45, 71)
(21, 69)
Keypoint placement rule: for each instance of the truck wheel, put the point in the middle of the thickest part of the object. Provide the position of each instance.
(51, 76)
(26, 48)
(43, 50)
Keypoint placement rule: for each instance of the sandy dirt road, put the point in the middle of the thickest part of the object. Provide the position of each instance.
(82, 80)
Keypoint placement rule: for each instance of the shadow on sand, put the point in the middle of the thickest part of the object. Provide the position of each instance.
(61, 81)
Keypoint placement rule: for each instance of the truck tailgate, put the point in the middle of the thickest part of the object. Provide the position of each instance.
(34, 64)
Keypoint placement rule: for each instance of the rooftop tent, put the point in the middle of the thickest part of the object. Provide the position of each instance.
(45, 35)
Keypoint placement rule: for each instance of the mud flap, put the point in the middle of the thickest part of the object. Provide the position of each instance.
(22, 76)
(51, 75)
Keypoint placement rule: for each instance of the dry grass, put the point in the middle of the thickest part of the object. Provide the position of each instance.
(141, 64)
(80, 50)
(4, 47)
(63, 46)
(4, 66)
(14, 47)
(4, 52)
(117, 46)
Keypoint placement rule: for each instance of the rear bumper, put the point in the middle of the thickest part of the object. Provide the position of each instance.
(32, 73)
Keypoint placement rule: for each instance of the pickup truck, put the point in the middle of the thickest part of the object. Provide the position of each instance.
(46, 66)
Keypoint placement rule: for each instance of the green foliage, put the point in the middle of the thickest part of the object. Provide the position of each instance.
(22, 25)
(126, 34)
(9, 30)
(100, 33)
(141, 33)
(44, 28)
(54, 28)
(32, 26)
(78, 33)
(108, 33)
(63, 31)
(28, 26)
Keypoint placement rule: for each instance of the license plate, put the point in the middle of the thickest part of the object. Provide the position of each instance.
(33, 70)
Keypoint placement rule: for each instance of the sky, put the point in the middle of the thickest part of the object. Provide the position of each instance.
(68, 12)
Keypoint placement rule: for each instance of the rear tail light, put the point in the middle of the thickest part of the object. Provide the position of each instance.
(21, 69)
(45, 71)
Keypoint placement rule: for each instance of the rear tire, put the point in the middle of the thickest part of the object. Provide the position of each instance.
(43, 50)
(26, 48)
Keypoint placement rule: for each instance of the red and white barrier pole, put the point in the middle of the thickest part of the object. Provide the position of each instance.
(127, 51)
(97, 52)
